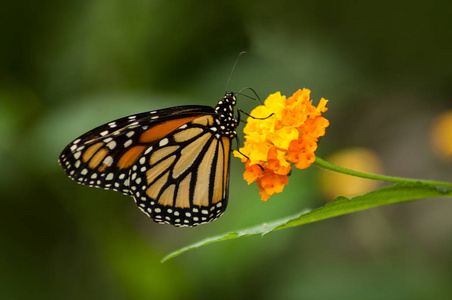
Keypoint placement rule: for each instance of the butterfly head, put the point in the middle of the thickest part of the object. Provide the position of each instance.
(225, 118)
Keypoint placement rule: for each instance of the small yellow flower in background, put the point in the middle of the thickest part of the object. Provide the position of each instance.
(360, 159)
(441, 135)
(283, 132)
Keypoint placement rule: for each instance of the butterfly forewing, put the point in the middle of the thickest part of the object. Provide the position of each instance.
(103, 156)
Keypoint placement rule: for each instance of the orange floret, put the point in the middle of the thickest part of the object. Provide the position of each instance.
(281, 133)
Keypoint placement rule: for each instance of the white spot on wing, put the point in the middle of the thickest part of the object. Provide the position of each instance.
(111, 145)
(163, 142)
(108, 160)
(148, 150)
(127, 143)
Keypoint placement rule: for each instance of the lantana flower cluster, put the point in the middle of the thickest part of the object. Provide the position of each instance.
(279, 134)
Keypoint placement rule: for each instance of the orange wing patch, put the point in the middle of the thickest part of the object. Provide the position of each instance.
(183, 193)
(201, 194)
(166, 199)
(97, 158)
(131, 155)
(159, 131)
(219, 173)
(227, 145)
(154, 190)
(204, 121)
(91, 151)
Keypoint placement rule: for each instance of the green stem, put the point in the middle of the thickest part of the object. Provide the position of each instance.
(326, 165)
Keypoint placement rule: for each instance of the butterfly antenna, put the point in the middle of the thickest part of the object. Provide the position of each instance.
(232, 71)
(254, 92)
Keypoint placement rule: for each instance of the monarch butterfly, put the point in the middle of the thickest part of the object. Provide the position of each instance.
(174, 161)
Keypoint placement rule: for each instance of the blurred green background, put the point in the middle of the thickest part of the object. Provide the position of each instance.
(68, 66)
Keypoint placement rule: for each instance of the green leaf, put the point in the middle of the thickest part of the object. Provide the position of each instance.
(401, 192)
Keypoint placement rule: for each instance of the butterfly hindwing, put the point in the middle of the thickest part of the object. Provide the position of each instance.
(103, 156)
(183, 179)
